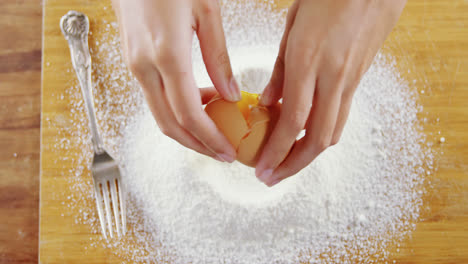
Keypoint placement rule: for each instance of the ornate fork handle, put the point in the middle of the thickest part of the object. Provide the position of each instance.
(75, 28)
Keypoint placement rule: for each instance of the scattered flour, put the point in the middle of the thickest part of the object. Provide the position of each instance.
(358, 198)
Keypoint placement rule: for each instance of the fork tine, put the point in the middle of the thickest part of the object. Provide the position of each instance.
(122, 207)
(102, 220)
(115, 206)
(105, 193)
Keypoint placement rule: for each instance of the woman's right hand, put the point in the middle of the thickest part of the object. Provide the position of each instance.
(156, 39)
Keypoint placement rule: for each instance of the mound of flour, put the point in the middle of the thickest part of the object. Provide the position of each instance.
(348, 206)
(354, 199)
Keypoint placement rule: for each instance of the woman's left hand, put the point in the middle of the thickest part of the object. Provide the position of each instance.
(326, 48)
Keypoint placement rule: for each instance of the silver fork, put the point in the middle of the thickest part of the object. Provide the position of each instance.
(105, 170)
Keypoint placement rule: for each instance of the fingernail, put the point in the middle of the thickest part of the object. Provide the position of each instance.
(234, 90)
(218, 158)
(264, 175)
(265, 97)
(226, 157)
(274, 182)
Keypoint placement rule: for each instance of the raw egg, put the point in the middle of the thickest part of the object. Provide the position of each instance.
(246, 124)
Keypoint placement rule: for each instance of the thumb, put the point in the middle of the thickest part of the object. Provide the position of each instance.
(274, 89)
(213, 47)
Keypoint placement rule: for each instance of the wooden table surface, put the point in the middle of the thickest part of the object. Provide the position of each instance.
(20, 95)
(430, 40)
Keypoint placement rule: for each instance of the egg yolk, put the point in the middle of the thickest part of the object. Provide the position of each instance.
(248, 101)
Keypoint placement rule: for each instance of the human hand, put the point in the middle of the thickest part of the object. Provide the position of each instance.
(156, 39)
(326, 48)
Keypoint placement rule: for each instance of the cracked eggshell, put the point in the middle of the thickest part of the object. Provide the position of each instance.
(228, 118)
(246, 128)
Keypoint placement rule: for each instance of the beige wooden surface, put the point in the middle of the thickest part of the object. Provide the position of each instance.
(430, 44)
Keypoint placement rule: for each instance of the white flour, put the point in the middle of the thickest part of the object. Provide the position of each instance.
(353, 200)
(357, 198)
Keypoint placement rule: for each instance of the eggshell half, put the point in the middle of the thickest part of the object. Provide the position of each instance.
(251, 145)
(228, 118)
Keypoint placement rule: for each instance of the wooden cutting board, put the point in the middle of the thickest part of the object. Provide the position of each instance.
(430, 43)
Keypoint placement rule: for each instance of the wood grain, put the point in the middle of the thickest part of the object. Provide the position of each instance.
(430, 46)
(20, 80)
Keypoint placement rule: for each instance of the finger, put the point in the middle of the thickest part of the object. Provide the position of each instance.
(154, 94)
(188, 110)
(213, 46)
(207, 94)
(350, 85)
(297, 102)
(274, 88)
(319, 132)
(343, 114)
(185, 100)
